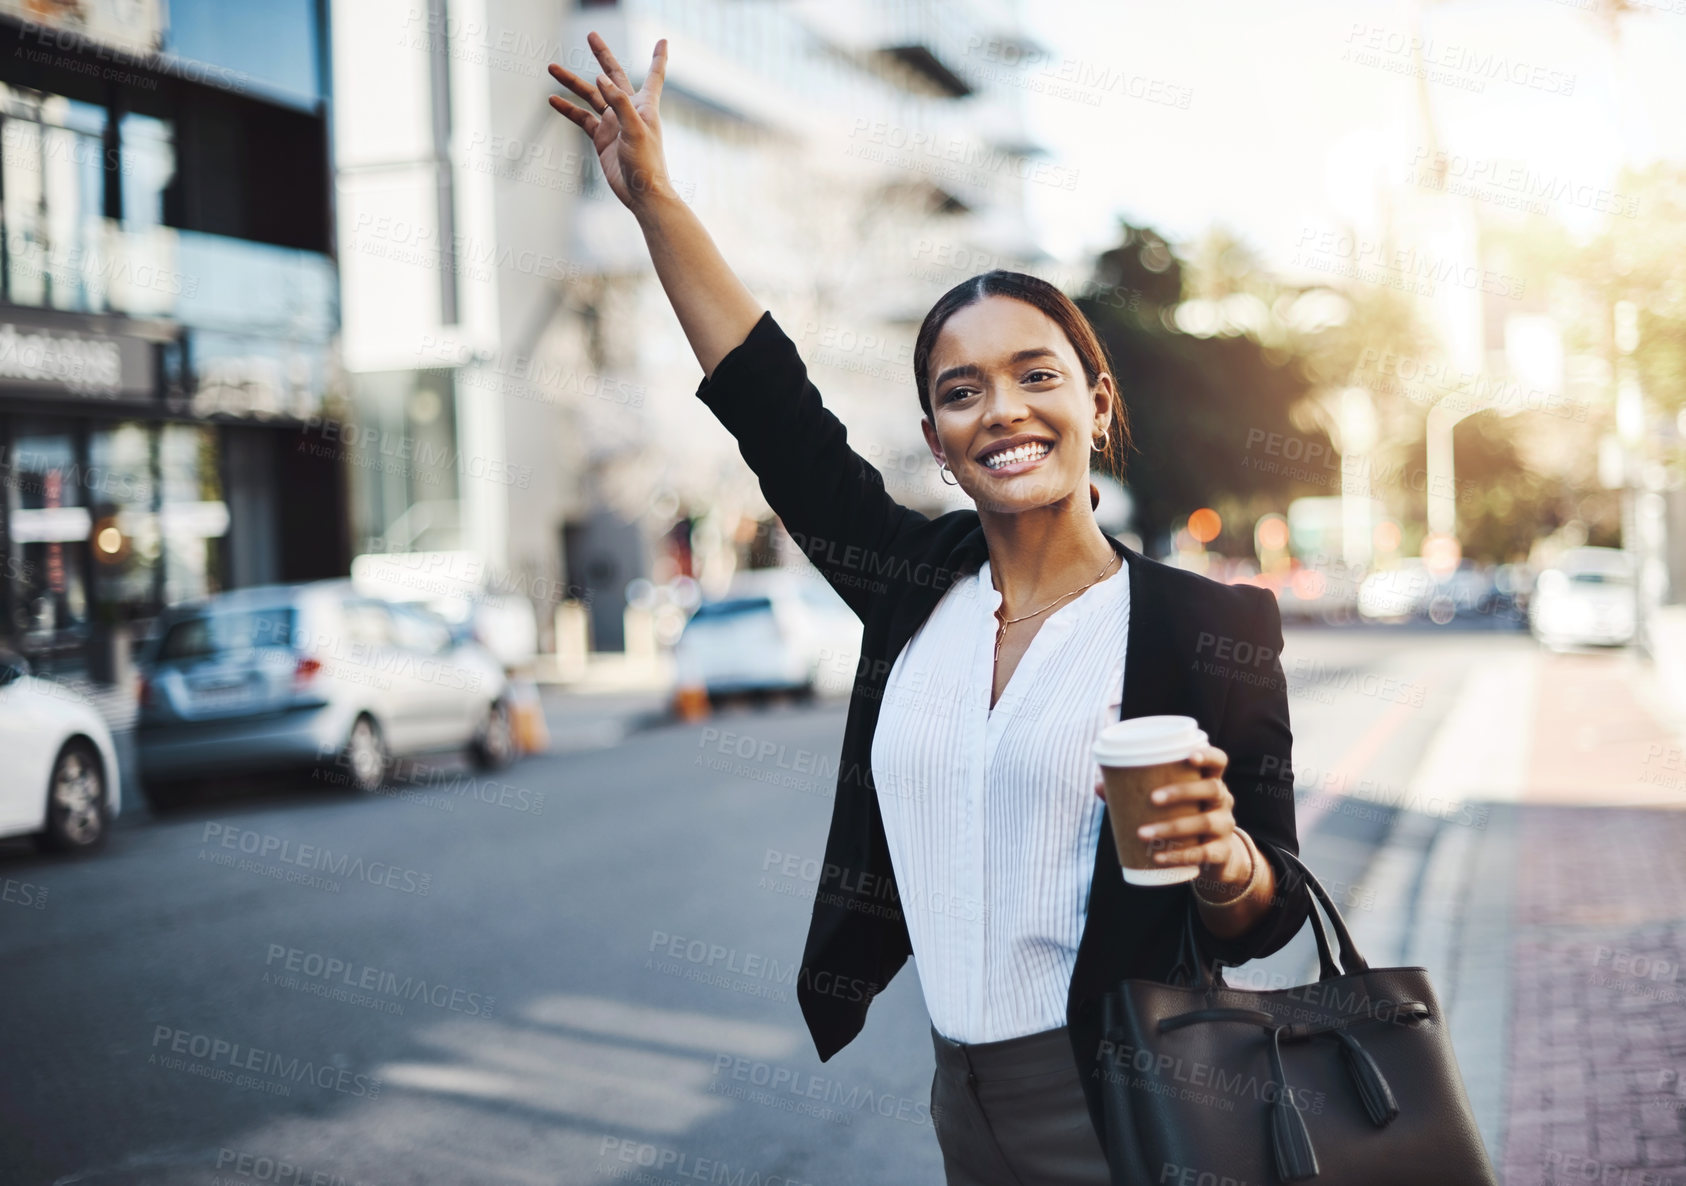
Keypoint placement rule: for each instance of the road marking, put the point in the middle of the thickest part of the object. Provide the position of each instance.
(1353, 762)
(1481, 749)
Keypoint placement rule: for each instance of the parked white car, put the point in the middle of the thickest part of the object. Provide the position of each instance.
(776, 630)
(59, 779)
(1396, 594)
(1585, 599)
(314, 674)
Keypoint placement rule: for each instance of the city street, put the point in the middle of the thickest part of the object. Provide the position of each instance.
(584, 967)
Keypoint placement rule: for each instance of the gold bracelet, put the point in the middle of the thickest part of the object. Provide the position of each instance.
(1252, 876)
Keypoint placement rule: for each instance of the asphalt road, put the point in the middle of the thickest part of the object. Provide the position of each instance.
(565, 973)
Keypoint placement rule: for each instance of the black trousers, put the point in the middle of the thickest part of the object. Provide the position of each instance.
(1012, 1113)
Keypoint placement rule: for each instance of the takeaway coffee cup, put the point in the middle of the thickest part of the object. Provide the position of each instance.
(1137, 757)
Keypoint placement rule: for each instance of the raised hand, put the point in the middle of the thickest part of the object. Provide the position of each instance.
(624, 125)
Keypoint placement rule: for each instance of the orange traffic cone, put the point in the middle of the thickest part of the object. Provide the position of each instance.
(690, 702)
(526, 718)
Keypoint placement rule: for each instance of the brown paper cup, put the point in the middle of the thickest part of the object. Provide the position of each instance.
(1137, 757)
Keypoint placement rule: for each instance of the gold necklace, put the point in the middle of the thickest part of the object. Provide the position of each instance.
(1001, 631)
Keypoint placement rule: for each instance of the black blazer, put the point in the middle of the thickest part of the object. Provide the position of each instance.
(1196, 647)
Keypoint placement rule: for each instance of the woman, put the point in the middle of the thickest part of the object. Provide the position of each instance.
(968, 827)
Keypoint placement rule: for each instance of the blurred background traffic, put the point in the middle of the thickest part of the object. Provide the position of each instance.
(350, 455)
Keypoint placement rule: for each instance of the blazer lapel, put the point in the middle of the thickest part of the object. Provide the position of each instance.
(1155, 683)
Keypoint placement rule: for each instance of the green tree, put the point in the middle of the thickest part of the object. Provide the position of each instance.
(1204, 410)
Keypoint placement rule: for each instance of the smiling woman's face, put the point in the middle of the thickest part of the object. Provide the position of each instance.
(1011, 410)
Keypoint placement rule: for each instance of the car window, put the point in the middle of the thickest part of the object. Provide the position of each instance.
(367, 624)
(228, 631)
(732, 607)
(415, 630)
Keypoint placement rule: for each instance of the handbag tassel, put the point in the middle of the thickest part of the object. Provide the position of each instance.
(1367, 1077)
(1295, 1158)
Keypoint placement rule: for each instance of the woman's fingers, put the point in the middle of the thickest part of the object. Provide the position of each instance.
(579, 86)
(658, 71)
(586, 121)
(611, 66)
(1210, 761)
(631, 121)
(1213, 852)
(1205, 823)
(1198, 791)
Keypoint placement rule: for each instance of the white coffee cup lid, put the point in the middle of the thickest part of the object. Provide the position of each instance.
(1147, 741)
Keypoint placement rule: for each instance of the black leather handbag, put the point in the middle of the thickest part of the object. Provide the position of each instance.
(1348, 1081)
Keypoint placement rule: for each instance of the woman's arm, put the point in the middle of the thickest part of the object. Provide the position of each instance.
(831, 500)
(714, 308)
(1249, 901)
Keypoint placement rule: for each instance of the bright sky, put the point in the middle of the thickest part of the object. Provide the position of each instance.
(1283, 127)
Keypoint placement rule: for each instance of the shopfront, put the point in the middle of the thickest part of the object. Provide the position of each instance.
(168, 308)
(116, 505)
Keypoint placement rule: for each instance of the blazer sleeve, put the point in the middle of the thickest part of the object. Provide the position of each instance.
(830, 498)
(1256, 736)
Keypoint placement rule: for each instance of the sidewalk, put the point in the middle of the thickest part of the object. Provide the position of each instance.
(1555, 927)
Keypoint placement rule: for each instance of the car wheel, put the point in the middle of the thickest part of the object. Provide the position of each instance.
(493, 747)
(78, 816)
(364, 760)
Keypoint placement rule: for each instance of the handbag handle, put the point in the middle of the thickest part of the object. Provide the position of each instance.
(1194, 966)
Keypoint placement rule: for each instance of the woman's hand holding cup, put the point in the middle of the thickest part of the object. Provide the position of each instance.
(1172, 815)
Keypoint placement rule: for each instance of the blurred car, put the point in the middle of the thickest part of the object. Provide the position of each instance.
(299, 675)
(1396, 594)
(1585, 599)
(1318, 592)
(776, 630)
(60, 781)
(1467, 590)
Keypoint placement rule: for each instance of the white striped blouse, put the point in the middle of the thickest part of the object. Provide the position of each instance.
(991, 815)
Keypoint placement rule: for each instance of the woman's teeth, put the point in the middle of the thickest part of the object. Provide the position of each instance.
(1010, 456)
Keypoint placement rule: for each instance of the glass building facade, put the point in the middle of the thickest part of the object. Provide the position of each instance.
(168, 312)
